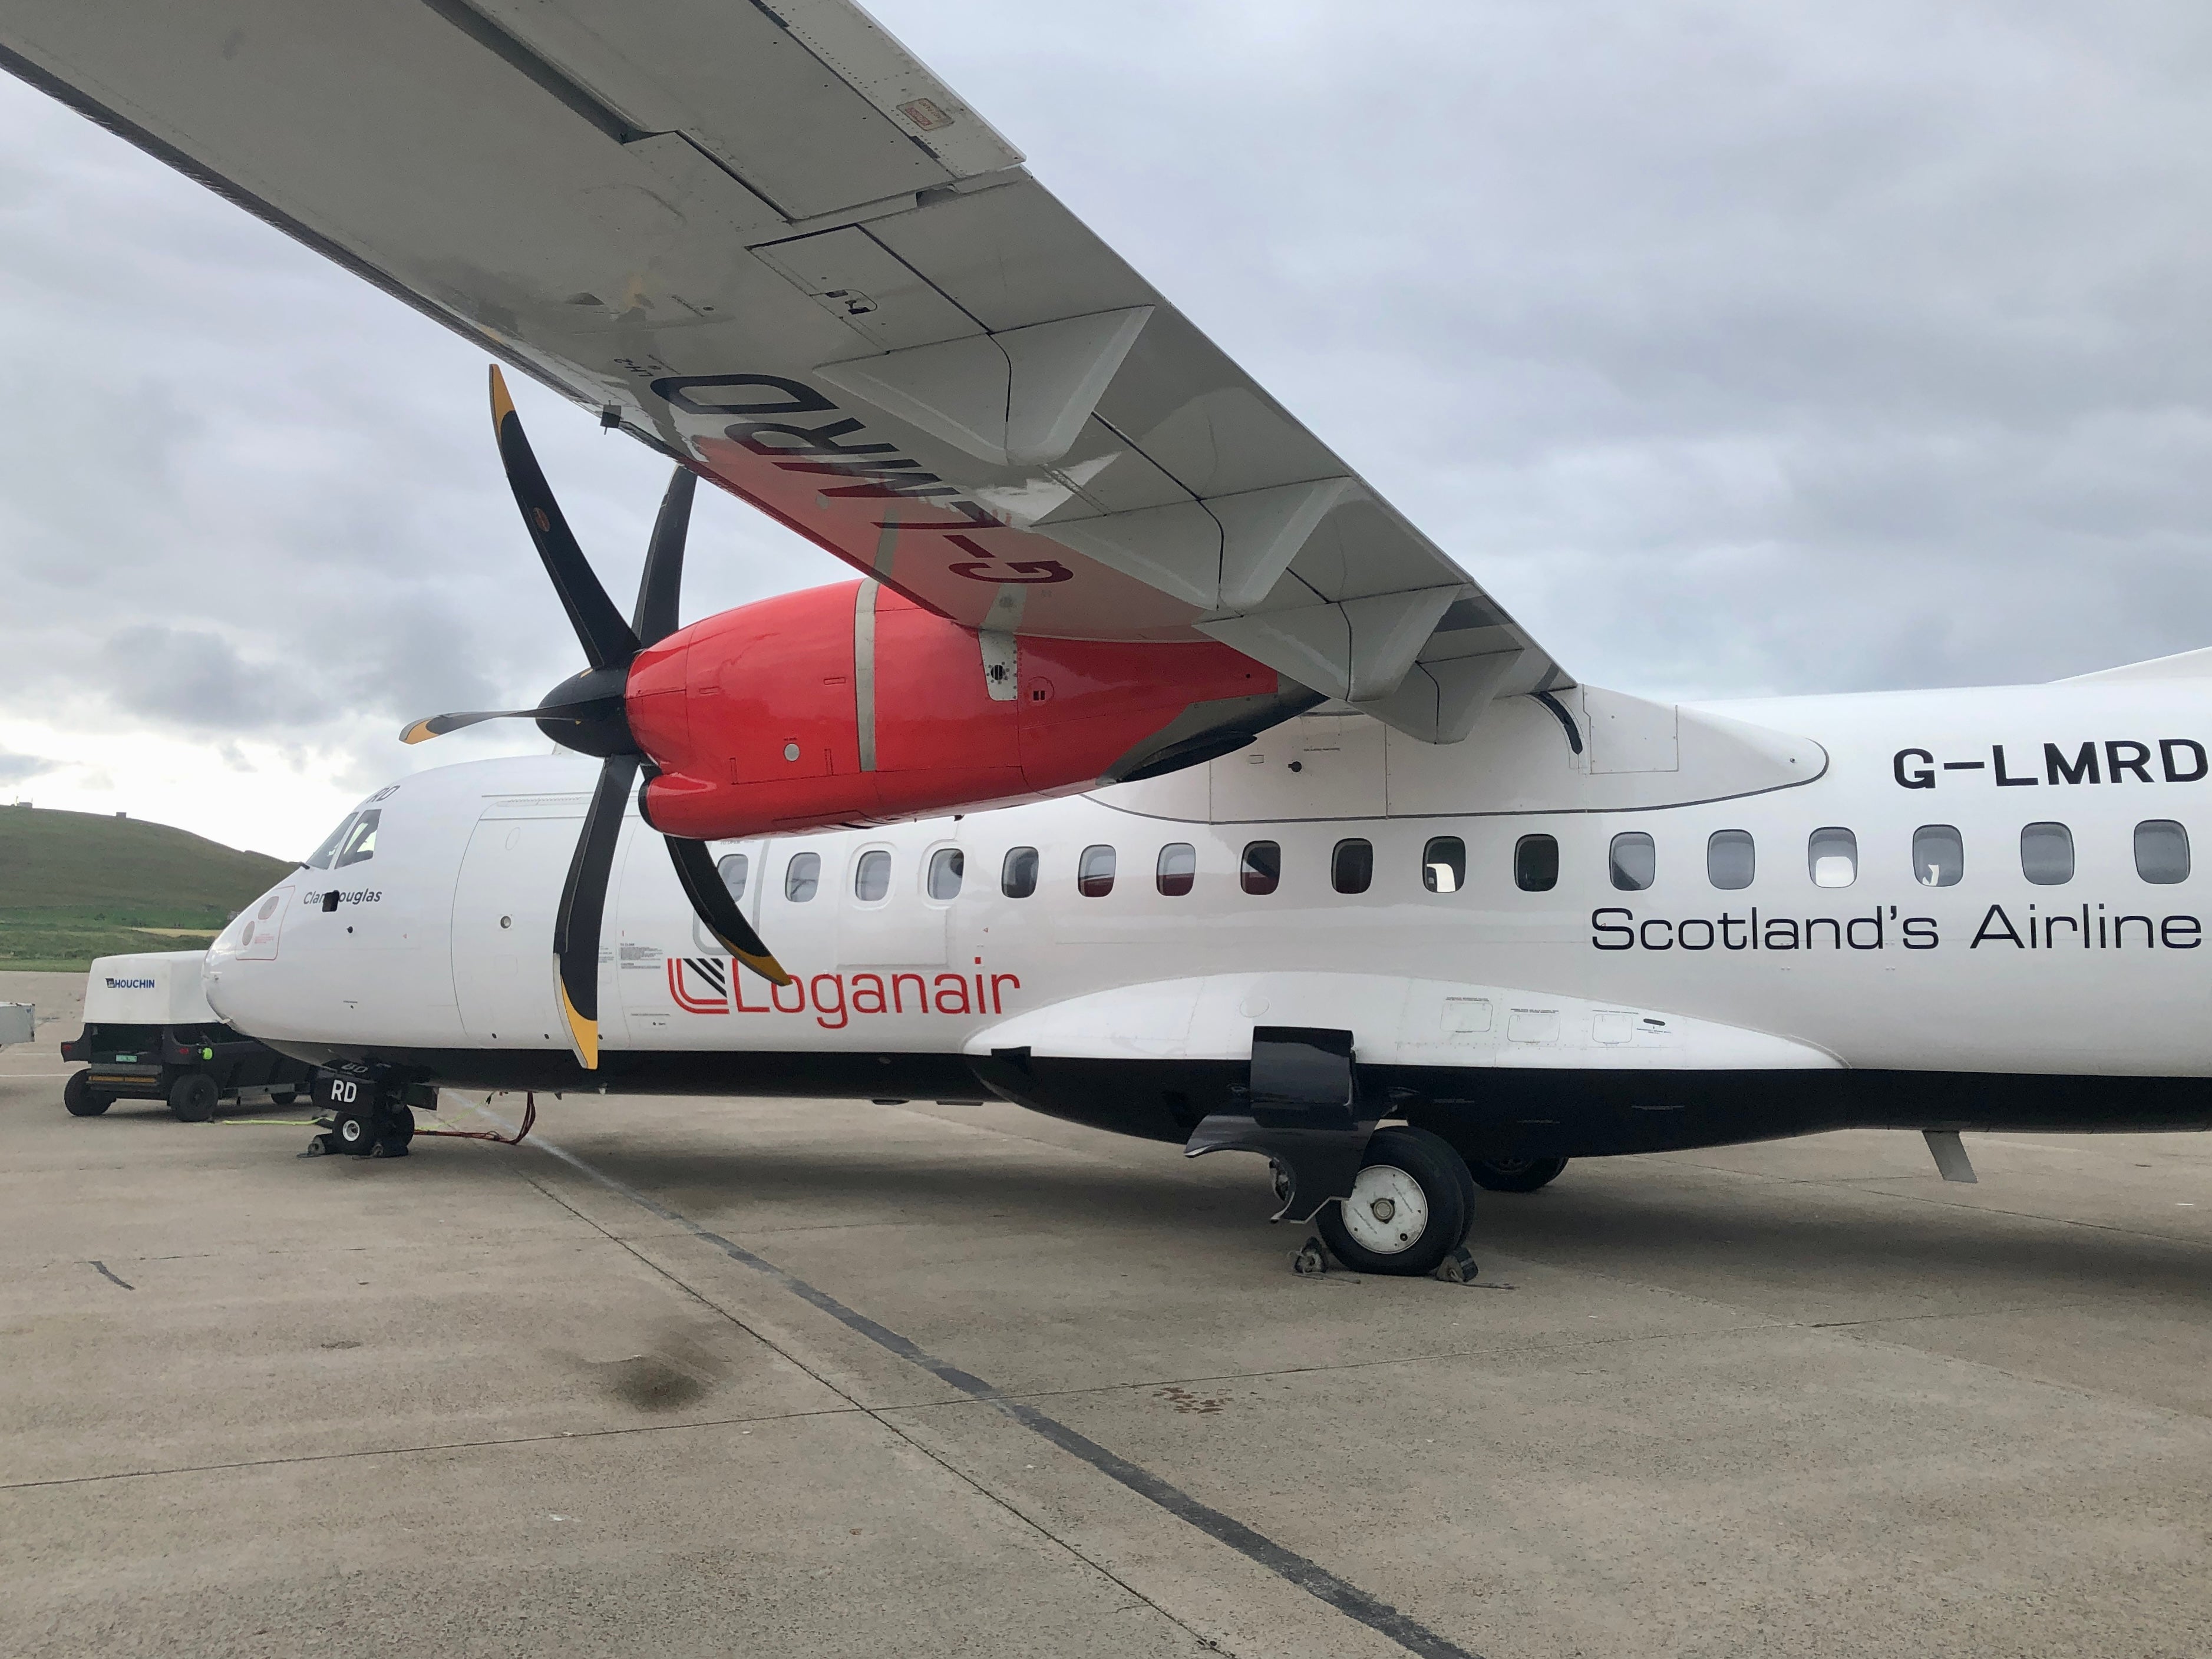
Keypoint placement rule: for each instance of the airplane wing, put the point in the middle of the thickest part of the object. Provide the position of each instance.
(759, 235)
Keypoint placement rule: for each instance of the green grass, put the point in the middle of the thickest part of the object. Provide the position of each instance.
(75, 885)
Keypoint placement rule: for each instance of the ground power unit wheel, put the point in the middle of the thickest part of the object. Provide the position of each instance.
(1516, 1175)
(192, 1097)
(77, 1095)
(1410, 1207)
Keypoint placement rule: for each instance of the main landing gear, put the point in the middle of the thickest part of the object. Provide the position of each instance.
(1395, 1200)
(1409, 1207)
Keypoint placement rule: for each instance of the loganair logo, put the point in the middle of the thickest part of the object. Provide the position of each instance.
(712, 985)
(130, 984)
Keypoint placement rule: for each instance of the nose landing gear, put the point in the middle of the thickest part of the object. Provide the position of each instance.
(361, 1117)
(362, 1134)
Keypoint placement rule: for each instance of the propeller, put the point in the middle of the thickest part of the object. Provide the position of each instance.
(586, 712)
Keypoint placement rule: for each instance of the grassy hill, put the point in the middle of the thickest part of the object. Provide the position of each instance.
(75, 885)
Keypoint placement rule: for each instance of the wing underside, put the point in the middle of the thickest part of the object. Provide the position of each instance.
(772, 243)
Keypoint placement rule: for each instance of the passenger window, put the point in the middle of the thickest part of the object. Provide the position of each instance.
(802, 876)
(731, 867)
(1352, 866)
(2161, 851)
(1443, 864)
(2046, 854)
(1731, 859)
(1536, 864)
(1178, 868)
(1017, 876)
(1633, 861)
(872, 877)
(321, 857)
(1094, 874)
(1261, 869)
(1939, 856)
(1832, 855)
(359, 846)
(948, 868)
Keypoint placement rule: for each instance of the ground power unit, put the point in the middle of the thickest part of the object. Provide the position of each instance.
(149, 1034)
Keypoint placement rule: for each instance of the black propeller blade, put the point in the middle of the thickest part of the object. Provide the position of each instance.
(703, 886)
(659, 588)
(438, 724)
(584, 902)
(586, 712)
(607, 639)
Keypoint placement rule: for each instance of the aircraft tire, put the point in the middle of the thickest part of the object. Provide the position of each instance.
(1516, 1175)
(354, 1133)
(77, 1095)
(192, 1097)
(1414, 1200)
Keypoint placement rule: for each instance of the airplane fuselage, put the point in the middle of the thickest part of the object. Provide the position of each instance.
(1597, 926)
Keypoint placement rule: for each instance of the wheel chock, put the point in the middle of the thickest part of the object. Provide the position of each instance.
(1458, 1268)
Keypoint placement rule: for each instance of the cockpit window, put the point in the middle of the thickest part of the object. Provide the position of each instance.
(320, 857)
(359, 846)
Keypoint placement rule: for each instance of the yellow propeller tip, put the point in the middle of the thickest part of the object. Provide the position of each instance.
(768, 968)
(583, 1031)
(501, 405)
(418, 732)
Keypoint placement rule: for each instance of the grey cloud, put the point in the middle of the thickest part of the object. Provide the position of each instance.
(197, 680)
(1738, 345)
(20, 768)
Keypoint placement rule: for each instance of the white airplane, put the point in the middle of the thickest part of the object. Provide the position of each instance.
(1157, 773)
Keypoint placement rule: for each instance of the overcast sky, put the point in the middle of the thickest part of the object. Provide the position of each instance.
(1739, 347)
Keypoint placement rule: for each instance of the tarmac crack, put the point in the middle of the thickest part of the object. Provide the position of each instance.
(1285, 1564)
(875, 1415)
(1509, 1352)
(492, 1443)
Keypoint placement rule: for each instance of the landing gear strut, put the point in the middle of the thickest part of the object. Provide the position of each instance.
(1395, 1201)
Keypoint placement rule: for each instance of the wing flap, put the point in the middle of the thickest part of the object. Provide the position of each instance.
(773, 243)
(1017, 400)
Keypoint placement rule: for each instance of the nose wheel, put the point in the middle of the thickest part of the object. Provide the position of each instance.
(371, 1128)
(1409, 1207)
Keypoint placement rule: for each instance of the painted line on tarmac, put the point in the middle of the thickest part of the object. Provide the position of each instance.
(1285, 1563)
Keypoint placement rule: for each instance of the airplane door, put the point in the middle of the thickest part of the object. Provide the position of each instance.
(887, 917)
(742, 866)
(668, 968)
(503, 908)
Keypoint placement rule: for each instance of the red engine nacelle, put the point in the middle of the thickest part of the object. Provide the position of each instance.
(840, 706)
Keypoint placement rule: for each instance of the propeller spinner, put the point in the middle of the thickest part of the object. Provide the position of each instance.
(586, 712)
